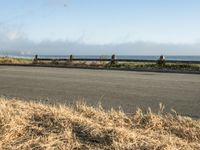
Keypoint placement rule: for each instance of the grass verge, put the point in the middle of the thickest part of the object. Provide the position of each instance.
(167, 66)
(102, 64)
(29, 125)
(9, 60)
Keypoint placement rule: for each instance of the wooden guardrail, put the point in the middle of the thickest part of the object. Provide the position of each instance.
(113, 59)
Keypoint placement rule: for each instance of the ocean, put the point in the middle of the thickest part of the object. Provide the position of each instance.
(140, 57)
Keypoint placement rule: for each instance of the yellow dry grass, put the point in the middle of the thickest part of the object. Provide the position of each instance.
(9, 60)
(29, 125)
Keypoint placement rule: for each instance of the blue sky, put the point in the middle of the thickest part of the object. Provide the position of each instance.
(135, 26)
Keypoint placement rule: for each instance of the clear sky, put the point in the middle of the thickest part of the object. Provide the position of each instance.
(137, 26)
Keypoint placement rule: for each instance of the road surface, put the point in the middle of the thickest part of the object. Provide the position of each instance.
(129, 90)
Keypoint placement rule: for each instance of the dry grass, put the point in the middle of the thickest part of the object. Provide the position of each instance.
(8, 60)
(29, 125)
(103, 64)
(76, 63)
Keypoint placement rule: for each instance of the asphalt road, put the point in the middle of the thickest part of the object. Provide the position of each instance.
(112, 88)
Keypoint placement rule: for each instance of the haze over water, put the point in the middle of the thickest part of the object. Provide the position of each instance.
(104, 27)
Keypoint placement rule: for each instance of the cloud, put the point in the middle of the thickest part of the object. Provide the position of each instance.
(16, 41)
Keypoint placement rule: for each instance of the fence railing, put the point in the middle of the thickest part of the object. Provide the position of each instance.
(112, 59)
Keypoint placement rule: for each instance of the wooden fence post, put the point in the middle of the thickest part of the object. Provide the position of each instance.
(161, 60)
(35, 60)
(113, 59)
(71, 58)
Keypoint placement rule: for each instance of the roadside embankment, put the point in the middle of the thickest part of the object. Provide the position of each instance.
(9, 60)
(128, 66)
(29, 125)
